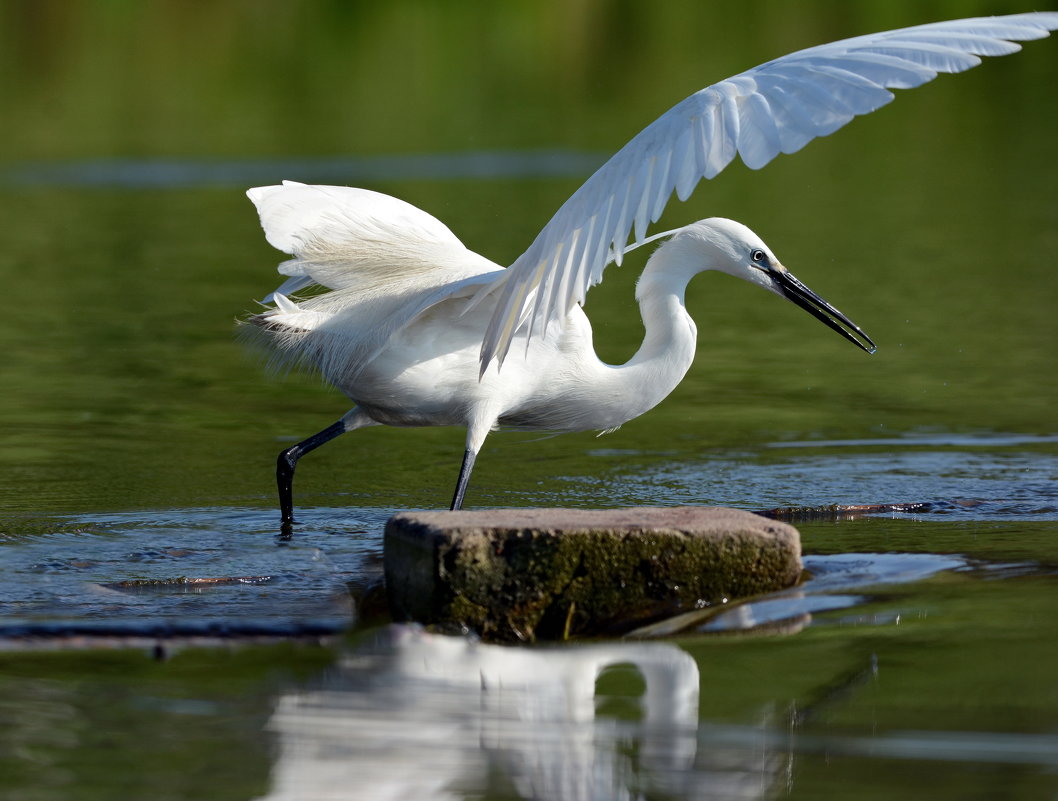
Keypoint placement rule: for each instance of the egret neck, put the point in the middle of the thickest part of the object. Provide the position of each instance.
(668, 346)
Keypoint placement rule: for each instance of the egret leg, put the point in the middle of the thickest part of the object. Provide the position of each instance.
(464, 478)
(480, 425)
(288, 459)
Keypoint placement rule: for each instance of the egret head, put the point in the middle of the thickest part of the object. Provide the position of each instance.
(731, 247)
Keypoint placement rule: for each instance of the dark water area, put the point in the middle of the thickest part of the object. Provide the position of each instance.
(161, 637)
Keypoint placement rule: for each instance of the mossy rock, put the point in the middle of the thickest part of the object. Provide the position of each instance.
(528, 574)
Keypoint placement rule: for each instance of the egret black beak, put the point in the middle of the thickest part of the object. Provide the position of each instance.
(794, 290)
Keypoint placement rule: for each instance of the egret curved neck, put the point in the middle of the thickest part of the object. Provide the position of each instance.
(665, 355)
(670, 333)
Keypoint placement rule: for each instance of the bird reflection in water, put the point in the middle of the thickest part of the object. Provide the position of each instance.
(423, 716)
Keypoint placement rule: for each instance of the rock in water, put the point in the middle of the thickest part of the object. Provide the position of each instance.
(527, 574)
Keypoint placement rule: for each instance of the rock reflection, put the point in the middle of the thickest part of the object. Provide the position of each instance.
(421, 716)
(825, 590)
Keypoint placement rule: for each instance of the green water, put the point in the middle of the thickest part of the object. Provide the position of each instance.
(138, 438)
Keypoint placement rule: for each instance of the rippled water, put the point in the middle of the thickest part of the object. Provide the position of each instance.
(184, 569)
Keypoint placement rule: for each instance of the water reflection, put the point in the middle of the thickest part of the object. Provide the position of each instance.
(830, 580)
(424, 716)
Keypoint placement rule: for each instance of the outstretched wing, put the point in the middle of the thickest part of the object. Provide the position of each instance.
(775, 108)
(341, 236)
(384, 261)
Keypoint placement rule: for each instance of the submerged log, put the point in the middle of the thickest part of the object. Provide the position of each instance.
(527, 574)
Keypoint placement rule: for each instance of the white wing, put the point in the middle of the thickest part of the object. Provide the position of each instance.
(384, 260)
(332, 231)
(775, 108)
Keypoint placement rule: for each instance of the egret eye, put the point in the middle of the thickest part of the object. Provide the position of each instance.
(758, 256)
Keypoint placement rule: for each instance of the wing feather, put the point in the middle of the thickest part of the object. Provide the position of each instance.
(663, 185)
(342, 236)
(760, 140)
(777, 107)
(724, 145)
(384, 261)
(645, 185)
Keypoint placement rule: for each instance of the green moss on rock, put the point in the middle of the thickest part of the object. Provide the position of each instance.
(552, 573)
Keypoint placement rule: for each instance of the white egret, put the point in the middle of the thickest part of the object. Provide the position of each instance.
(415, 327)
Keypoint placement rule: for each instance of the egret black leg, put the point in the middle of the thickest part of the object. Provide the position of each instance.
(464, 478)
(288, 460)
